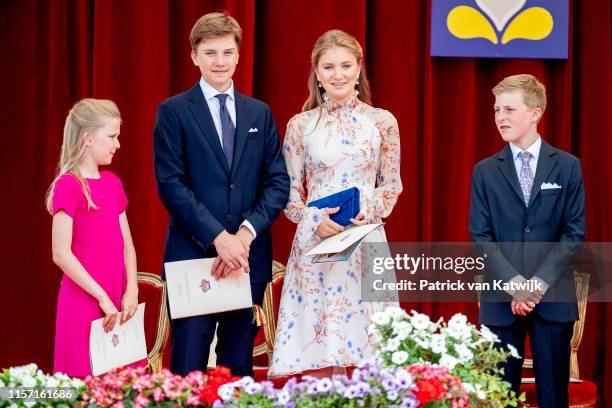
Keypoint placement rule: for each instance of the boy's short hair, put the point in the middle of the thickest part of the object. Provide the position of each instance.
(214, 25)
(534, 92)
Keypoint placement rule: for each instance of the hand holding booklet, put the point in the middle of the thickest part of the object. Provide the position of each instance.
(192, 291)
(123, 345)
(341, 246)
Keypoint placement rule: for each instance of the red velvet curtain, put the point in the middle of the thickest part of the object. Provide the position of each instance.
(136, 52)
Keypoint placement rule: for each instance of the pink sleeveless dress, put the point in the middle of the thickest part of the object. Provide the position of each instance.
(97, 243)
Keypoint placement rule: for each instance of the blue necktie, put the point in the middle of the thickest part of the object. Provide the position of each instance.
(526, 175)
(227, 129)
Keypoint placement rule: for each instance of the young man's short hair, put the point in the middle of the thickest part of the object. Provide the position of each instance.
(534, 92)
(213, 25)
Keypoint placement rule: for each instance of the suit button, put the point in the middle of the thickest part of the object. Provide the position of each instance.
(228, 218)
(527, 229)
(232, 186)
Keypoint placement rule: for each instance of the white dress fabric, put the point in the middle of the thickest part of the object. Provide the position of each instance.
(323, 320)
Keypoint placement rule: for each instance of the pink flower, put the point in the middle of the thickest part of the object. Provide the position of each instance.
(141, 400)
(158, 394)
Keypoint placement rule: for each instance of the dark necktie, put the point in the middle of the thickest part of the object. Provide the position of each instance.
(227, 129)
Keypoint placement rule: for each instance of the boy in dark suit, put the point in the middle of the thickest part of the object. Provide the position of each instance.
(222, 178)
(529, 192)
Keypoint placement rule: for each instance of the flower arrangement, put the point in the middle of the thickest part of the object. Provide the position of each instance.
(135, 387)
(370, 385)
(419, 363)
(457, 346)
(28, 382)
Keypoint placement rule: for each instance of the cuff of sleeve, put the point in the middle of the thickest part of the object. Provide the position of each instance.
(247, 224)
(514, 283)
(543, 286)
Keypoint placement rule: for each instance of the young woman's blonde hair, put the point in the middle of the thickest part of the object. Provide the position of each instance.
(85, 117)
(332, 39)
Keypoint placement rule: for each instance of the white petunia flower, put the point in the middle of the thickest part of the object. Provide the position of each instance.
(487, 334)
(468, 387)
(381, 318)
(392, 395)
(420, 321)
(422, 342)
(394, 311)
(458, 332)
(457, 321)
(465, 354)
(448, 361)
(475, 389)
(402, 329)
(28, 382)
(438, 343)
(399, 357)
(52, 382)
(226, 391)
(513, 351)
(393, 344)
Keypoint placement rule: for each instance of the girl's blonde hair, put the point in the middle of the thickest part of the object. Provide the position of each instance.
(332, 39)
(86, 116)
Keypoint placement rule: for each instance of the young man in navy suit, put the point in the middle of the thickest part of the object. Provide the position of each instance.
(222, 178)
(530, 192)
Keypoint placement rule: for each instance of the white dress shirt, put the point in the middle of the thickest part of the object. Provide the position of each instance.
(215, 107)
(534, 149)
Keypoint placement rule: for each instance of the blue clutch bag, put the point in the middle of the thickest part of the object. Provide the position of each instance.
(347, 200)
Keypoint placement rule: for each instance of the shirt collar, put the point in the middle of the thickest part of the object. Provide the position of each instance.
(534, 149)
(210, 92)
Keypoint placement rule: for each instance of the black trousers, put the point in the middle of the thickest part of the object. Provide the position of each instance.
(550, 349)
(192, 336)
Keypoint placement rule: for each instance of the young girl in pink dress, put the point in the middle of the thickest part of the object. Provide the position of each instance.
(91, 237)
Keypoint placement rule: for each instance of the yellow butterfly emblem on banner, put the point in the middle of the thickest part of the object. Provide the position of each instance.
(466, 22)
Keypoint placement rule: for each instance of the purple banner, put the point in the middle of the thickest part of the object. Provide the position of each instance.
(500, 28)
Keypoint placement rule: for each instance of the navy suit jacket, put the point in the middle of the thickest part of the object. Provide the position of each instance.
(498, 215)
(199, 190)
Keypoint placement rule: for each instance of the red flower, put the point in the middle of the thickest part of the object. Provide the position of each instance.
(215, 378)
(429, 390)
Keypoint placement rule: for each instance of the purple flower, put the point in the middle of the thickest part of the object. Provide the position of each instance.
(351, 392)
(324, 385)
(253, 388)
(409, 402)
(389, 384)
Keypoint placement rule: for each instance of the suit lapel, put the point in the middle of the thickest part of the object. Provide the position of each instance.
(243, 120)
(546, 162)
(506, 166)
(201, 113)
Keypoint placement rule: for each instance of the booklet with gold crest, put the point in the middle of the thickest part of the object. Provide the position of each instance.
(124, 344)
(192, 291)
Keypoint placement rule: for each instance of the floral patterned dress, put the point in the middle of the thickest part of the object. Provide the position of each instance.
(322, 319)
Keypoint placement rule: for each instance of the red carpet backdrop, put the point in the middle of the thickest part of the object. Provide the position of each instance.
(136, 52)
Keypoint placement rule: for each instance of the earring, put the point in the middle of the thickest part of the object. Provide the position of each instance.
(320, 86)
